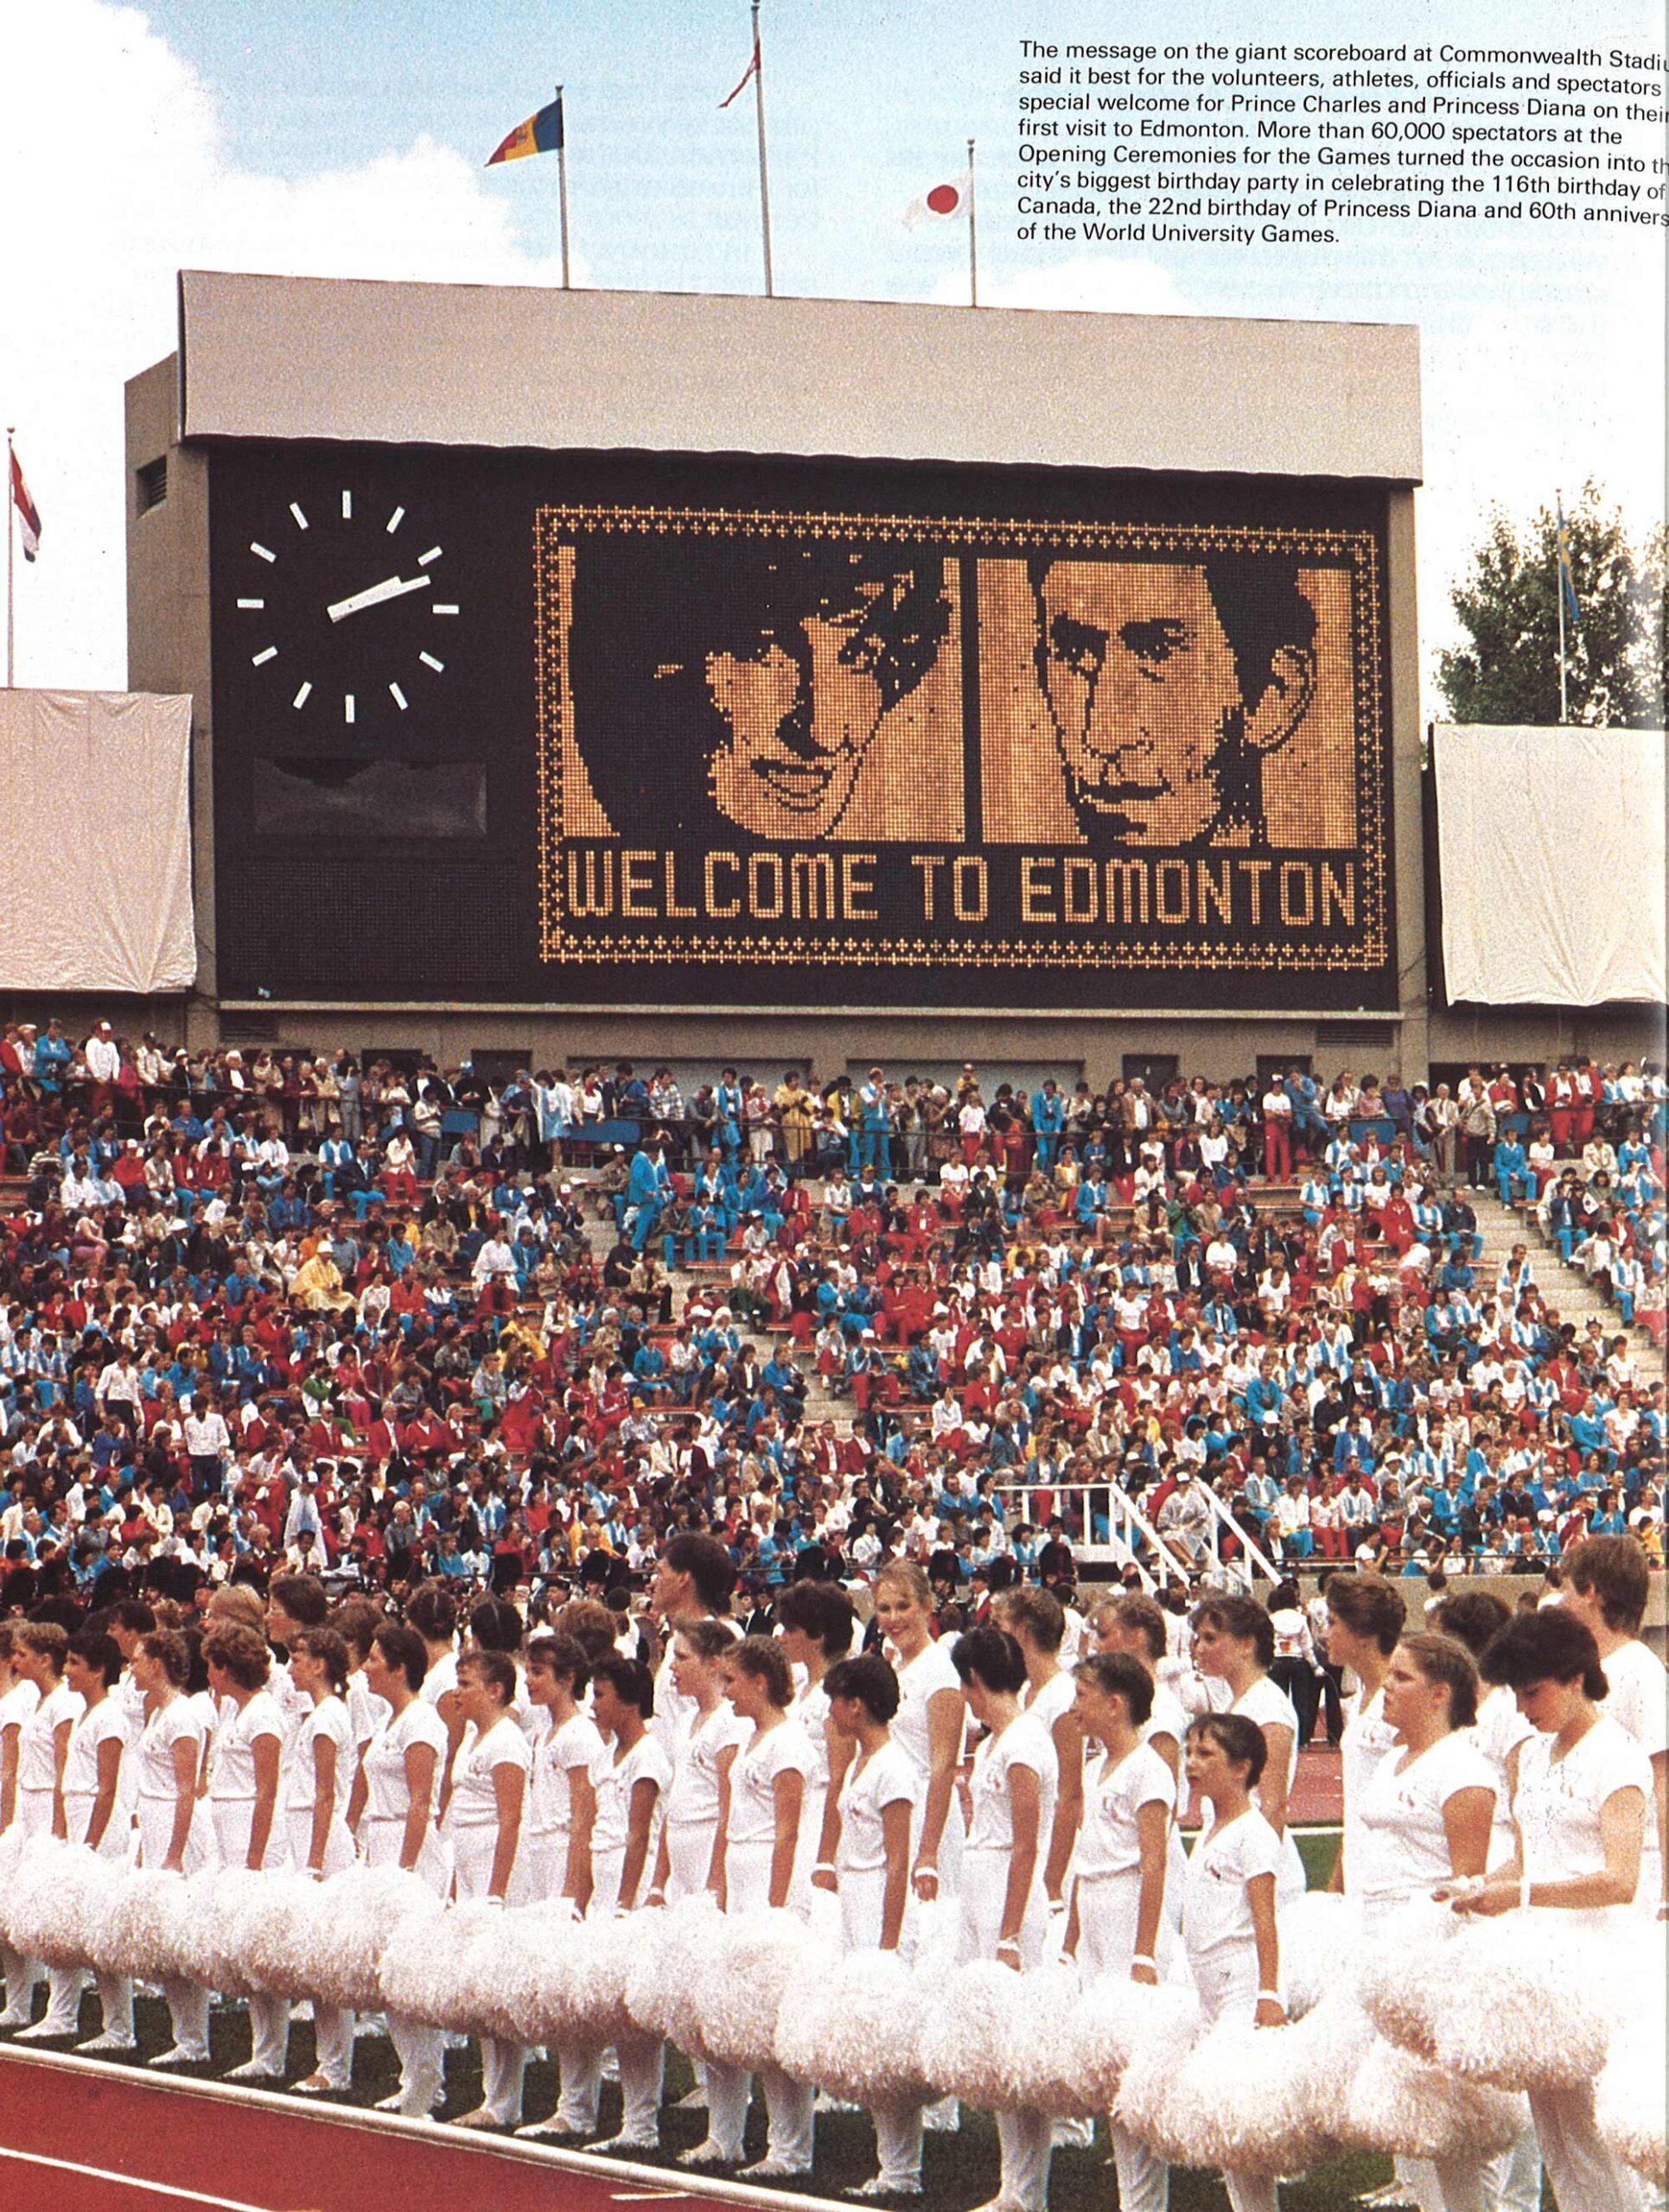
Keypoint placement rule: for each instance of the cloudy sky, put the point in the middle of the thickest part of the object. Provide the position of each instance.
(338, 137)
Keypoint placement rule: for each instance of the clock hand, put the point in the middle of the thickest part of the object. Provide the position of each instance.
(389, 587)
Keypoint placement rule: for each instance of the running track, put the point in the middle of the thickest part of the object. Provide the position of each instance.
(76, 2136)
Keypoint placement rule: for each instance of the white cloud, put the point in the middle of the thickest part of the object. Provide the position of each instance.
(115, 173)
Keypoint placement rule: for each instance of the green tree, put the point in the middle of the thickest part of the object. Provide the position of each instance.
(1615, 656)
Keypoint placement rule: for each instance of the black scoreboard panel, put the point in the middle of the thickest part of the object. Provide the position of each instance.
(712, 730)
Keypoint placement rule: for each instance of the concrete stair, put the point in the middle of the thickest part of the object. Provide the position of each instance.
(1565, 1288)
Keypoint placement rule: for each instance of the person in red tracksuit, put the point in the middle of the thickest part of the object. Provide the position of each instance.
(1561, 1109)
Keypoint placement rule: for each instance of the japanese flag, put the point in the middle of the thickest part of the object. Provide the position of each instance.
(943, 200)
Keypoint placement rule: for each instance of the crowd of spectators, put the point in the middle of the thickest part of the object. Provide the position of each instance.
(391, 1325)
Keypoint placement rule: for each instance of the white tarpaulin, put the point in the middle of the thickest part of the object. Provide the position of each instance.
(95, 842)
(1550, 844)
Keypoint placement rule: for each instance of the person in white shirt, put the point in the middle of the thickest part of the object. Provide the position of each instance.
(1117, 1926)
(173, 1833)
(484, 1801)
(98, 1799)
(1229, 1928)
(391, 1813)
(321, 1772)
(244, 1775)
(1579, 1806)
(1366, 1616)
(43, 1746)
(1234, 1643)
(1606, 1583)
(1004, 1906)
(868, 1863)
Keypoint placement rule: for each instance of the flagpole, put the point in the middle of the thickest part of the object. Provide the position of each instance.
(11, 502)
(562, 184)
(764, 176)
(973, 249)
(1558, 589)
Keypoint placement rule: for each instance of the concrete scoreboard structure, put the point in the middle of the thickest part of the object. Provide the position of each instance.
(592, 672)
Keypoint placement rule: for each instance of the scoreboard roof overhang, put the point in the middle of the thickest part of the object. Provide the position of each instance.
(288, 358)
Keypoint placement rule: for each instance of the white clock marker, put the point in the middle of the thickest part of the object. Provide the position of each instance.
(398, 696)
(396, 519)
(347, 706)
(257, 659)
(441, 607)
(429, 661)
(251, 602)
(433, 554)
(301, 696)
(347, 506)
(264, 552)
(301, 519)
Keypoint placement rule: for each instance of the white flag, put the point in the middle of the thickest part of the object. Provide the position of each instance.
(941, 202)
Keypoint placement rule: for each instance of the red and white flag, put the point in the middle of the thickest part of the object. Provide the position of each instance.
(28, 514)
(941, 202)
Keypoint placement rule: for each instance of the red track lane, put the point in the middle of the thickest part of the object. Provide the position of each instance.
(261, 2157)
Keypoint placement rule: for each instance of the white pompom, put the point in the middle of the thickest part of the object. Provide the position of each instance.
(271, 1956)
(1629, 2105)
(1144, 2103)
(1001, 2039)
(56, 1894)
(758, 1958)
(1509, 2002)
(676, 1954)
(11, 1850)
(855, 2027)
(339, 1935)
(208, 1937)
(599, 1963)
(1105, 2023)
(1321, 1935)
(137, 1938)
(418, 1973)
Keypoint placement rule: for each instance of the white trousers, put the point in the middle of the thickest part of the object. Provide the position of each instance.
(897, 2126)
(473, 1849)
(1586, 2176)
(1227, 1983)
(1108, 1908)
(417, 2045)
(1025, 2138)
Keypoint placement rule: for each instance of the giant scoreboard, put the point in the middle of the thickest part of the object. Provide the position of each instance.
(623, 680)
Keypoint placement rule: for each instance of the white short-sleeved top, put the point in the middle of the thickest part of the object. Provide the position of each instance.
(810, 1710)
(1558, 1801)
(474, 1800)
(387, 1798)
(328, 1722)
(1024, 1743)
(367, 1711)
(576, 1747)
(102, 1724)
(920, 1680)
(232, 1770)
(37, 1751)
(888, 1777)
(1401, 1844)
(1369, 1741)
(786, 1749)
(442, 1677)
(1267, 1704)
(615, 1780)
(692, 1797)
(179, 1717)
(16, 1704)
(1639, 1699)
(1167, 1718)
(1216, 1909)
(1109, 1840)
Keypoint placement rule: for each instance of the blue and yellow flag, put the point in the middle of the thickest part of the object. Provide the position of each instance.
(540, 134)
(1567, 581)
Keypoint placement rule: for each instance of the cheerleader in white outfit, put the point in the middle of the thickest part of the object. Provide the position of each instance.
(815, 1626)
(1004, 1907)
(18, 1699)
(391, 1812)
(701, 1756)
(243, 1795)
(1423, 1819)
(484, 1805)
(1579, 1814)
(555, 1860)
(97, 1798)
(1119, 1927)
(176, 1832)
(931, 1720)
(867, 1861)
(1137, 1627)
(42, 1747)
(631, 1783)
(1234, 1643)
(315, 1799)
(765, 1852)
(1228, 1907)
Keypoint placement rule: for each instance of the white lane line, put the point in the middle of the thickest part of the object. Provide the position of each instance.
(165, 2189)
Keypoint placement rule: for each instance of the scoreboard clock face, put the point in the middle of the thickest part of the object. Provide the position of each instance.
(343, 603)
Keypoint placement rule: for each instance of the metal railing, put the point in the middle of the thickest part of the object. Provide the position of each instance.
(1103, 1523)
